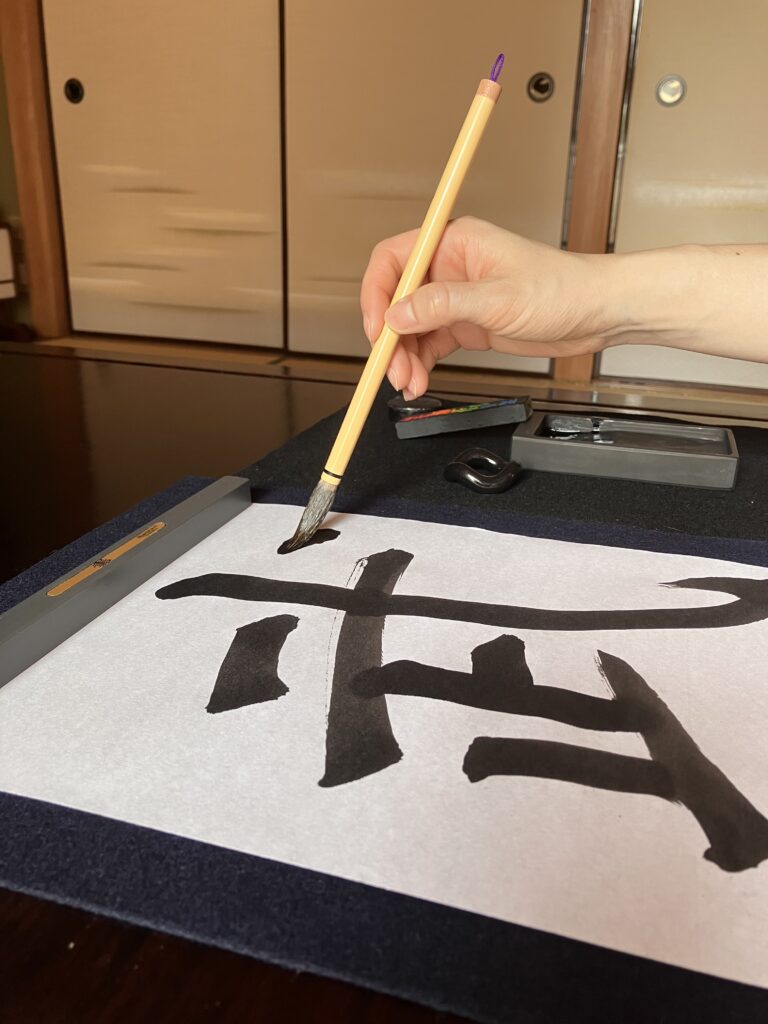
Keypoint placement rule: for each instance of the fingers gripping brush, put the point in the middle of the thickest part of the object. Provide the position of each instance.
(416, 268)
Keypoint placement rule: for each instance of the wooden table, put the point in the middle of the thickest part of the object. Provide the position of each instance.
(82, 441)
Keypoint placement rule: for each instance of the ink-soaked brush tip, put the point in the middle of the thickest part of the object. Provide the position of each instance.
(317, 509)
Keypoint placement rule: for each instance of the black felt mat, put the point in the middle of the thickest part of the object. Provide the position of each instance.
(450, 959)
(383, 467)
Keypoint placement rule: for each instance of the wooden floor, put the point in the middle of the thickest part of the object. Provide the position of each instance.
(65, 966)
(82, 440)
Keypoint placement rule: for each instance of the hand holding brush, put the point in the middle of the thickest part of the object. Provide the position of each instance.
(415, 270)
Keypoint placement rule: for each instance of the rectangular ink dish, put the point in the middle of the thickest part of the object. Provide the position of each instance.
(686, 454)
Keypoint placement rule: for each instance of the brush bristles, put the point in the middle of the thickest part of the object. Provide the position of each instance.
(318, 507)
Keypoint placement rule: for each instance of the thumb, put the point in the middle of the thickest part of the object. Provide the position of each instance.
(441, 304)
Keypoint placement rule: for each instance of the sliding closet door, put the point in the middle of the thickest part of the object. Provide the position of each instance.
(376, 94)
(166, 119)
(696, 167)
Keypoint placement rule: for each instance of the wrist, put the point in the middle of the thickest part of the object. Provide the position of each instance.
(656, 297)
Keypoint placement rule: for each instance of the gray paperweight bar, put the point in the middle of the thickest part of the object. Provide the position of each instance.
(35, 627)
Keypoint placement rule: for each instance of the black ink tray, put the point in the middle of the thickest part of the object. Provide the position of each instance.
(686, 454)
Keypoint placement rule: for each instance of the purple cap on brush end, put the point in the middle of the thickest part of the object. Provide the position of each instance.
(496, 69)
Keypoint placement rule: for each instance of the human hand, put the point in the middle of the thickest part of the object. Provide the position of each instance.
(486, 289)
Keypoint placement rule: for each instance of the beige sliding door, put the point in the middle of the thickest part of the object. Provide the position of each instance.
(375, 95)
(166, 117)
(696, 167)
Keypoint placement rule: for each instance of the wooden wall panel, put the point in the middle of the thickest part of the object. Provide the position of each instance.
(597, 138)
(21, 40)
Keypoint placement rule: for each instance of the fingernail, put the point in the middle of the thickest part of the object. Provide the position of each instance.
(367, 327)
(392, 378)
(401, 316)
(409, 393)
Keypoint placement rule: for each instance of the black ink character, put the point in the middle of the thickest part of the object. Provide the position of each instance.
(360, 740)
(248, 674)
(751, 604)
(676, 770)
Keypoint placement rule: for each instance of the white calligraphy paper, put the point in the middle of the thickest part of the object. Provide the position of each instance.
(522, 813)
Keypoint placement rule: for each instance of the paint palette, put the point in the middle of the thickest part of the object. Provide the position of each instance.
(428, 415)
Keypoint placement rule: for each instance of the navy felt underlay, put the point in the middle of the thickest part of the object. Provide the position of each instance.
(90, 544)
(450, 959)
(386, 469)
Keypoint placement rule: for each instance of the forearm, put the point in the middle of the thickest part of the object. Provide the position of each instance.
(711, 299)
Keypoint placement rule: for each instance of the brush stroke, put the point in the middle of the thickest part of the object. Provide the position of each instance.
(751, 604)
(736, 830)
(248, 674)
(501, 681)
(564, 762)
(318, 537)
(677, 770)
(359, 738)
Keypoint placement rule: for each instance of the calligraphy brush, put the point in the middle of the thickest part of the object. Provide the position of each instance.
(439, 211)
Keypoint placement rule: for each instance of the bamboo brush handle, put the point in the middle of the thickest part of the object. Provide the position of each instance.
(415, 269)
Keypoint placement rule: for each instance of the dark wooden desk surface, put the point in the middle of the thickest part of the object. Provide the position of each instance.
(81, 441)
